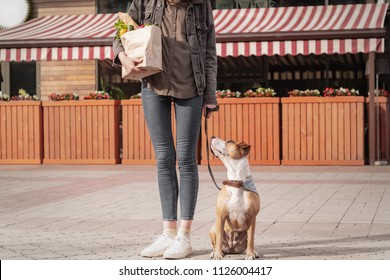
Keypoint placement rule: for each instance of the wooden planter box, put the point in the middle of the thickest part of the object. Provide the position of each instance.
(255, 121)
(136, 143)
(81, 132)
(382, 147)
(20, 132)
(323, 131)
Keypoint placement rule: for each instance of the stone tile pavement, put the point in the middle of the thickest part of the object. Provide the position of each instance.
(112, 212)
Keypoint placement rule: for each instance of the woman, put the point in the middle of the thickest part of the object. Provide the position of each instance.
(188, 80)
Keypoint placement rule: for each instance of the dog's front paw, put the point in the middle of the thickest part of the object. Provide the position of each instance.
(216, 256)
(252, 256)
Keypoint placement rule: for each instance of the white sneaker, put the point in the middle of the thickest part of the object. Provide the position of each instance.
(180, 248)
(158, 247)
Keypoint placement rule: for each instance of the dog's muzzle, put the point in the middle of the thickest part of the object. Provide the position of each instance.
(211, 146)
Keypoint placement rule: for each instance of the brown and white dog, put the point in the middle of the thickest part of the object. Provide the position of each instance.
(237, 207)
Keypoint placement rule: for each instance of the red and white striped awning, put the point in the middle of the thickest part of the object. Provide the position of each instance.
(65, 37)
(261, 31)
(301, 30)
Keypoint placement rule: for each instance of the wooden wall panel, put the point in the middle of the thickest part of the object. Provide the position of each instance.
(382, 119)
(323, 131)
(136, 142)
(20, 132)
(67, 76)
(81, 132)
(254, 121)
(61, 7)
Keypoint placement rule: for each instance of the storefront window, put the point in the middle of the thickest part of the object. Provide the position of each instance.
(110, 80)
(23, 75)
(113, 6)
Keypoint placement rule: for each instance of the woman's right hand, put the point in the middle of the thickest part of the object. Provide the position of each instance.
(130, 63)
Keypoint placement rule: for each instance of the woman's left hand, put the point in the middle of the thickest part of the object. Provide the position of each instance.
(208, 109)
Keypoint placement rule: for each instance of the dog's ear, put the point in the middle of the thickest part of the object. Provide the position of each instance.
(245, 148)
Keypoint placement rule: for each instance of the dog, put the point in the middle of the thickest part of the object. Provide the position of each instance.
(237, 207)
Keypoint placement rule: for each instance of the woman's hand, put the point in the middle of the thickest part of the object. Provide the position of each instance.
(208, 109)
(130, 63)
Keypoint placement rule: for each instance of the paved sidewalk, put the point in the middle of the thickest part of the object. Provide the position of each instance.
(113, 212)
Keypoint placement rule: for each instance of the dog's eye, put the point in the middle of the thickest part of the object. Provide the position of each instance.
(230, 142)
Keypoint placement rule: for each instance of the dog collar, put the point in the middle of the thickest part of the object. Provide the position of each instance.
(234, 183)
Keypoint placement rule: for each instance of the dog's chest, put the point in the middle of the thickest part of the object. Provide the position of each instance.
(237, 206)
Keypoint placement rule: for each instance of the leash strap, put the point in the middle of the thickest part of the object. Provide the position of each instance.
(208, 150)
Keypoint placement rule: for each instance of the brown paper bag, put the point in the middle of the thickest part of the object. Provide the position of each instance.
(143, 43)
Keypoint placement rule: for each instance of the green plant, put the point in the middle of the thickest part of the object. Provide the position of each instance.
(227, 93)
(22, 95)
(63, 97)
(121, 28)
(259, 92)
(307, 92)
(113, 91)
(263, 92)
(98, 95)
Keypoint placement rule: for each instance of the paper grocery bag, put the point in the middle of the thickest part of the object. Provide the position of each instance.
(143, 43)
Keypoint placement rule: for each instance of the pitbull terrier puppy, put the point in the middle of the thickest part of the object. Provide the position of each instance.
(237, 203)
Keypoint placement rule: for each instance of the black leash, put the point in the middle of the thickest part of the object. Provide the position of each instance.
(207, 143)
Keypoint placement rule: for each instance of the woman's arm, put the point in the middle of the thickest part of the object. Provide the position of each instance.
(117, 46)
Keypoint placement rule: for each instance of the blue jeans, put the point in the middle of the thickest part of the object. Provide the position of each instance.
(157, 110)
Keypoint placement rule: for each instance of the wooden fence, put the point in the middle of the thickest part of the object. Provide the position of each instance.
(81, 132)
(255, 121)
(315, 131)
(323, 131)
(20, 132)
(137, 147)
(382, 119)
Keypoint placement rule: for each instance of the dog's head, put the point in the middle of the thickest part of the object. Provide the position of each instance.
(233, 156)
(230, 149)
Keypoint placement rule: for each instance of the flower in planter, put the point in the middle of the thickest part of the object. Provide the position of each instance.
(328, 92)
(315, 92)
(227, 93)
(294, 92)
(23, 95)
(65, 96)
(307, 92)
(4, 97)
(265, 92)
(53, 96)
(136, 96)
(340, 92)
(220, 93)
(382, 92)
(249, 93)
(71, 96)
(97, 95)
